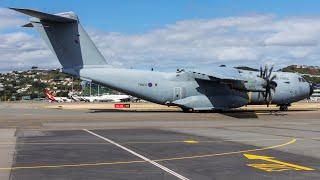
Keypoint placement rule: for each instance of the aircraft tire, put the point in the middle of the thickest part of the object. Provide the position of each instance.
(283, 107)
(187, 110)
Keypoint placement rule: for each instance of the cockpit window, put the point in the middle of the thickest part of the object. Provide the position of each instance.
(301, 79)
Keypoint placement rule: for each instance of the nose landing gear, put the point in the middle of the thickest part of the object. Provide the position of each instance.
(283, 107)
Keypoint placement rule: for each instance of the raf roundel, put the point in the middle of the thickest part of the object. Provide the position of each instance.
(150, 84)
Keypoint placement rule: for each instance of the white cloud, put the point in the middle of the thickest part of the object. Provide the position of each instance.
(252, 40)
(19, 50)
(244, 40)
(9, 19)
(295, 32)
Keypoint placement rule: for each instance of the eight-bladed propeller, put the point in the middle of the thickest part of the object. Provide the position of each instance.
(269, 85)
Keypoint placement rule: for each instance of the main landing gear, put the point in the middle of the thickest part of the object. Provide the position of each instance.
(187, 110)
(284, 107)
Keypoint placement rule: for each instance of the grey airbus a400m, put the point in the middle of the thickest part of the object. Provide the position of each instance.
(216, 89)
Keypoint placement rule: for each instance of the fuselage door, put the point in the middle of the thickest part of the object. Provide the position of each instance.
(177, 94)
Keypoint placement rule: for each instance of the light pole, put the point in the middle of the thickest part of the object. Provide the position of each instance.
(72, 84)
(90, 88)
(2, 89)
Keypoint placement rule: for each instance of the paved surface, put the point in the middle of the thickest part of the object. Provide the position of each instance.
(51, 144)
(7, 150)
(80, 155)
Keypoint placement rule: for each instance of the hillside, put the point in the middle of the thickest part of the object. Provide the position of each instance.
(313, 71)
(30, 84)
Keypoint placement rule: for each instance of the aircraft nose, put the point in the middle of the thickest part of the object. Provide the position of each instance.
(311, 89)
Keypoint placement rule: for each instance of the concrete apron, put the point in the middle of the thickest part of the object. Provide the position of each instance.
(7, 150)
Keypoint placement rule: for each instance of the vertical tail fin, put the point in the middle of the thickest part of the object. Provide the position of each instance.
(66, 38)
(49, 94)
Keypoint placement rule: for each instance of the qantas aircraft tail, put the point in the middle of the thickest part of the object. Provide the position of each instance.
(49, 95)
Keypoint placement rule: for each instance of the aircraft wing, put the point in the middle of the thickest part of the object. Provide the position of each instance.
(231, 77)
(219, 74)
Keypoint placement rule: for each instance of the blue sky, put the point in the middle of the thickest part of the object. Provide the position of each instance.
(169, 34)
(135, 16)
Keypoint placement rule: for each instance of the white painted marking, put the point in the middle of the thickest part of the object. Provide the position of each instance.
(139, 155)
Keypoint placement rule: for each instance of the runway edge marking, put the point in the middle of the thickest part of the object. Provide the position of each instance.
(140, 156)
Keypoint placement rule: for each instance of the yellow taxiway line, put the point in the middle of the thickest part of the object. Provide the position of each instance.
(271, 159)
(156, 160)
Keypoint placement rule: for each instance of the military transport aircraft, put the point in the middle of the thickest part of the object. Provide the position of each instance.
(218, 88)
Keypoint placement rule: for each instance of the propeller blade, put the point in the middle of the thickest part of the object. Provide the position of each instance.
(265, 71)
(273, 85)
(265, 97)
(270, 101)
(270, 71)
(273, 77)
(270, 96)
(269, 85)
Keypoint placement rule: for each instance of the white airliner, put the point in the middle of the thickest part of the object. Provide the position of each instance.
(102, 98)
(52, 98)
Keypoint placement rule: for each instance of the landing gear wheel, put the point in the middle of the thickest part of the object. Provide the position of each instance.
(187, 110)
(283, 108)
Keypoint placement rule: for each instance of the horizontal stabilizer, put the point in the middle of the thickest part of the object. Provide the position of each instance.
(45, 16)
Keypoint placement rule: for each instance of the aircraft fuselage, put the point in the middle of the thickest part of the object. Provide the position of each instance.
(184, 90)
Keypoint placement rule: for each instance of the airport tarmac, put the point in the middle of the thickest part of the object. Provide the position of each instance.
(38, 142)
